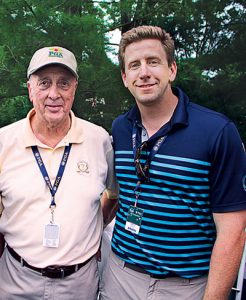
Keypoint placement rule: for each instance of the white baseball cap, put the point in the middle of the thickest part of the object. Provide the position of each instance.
(52, 55)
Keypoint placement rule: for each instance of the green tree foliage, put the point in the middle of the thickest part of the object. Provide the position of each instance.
(210, 47)
(209, 37)
(76, 25)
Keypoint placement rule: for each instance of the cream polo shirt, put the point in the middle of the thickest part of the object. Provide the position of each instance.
(25, 197)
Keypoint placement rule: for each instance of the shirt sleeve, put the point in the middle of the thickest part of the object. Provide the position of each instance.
(228, 172)
(112, 188)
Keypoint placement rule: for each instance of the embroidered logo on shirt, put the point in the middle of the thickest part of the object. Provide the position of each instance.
(82, 167)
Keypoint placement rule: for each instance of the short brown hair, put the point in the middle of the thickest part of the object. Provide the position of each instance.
(146, 32)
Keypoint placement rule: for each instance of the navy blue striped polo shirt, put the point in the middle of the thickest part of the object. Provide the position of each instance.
(198, 170)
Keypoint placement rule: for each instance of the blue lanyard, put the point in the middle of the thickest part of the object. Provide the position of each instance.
(53, 189)
(150, 157)
(154, 149)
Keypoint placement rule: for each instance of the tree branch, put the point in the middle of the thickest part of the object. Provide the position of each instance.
(137, 19)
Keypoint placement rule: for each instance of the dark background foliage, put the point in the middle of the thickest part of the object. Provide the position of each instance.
(209, 37)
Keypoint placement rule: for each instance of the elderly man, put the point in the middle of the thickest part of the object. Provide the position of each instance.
(54, 168)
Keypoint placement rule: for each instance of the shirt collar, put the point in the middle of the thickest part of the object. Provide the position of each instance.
(75, 134)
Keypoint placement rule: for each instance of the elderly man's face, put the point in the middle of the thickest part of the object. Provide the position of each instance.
(52, 90)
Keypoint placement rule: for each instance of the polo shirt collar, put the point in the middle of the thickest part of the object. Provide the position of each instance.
(179, 117)
(75, 134)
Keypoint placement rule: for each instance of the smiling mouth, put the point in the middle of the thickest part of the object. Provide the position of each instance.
(53, 105)
(53, 108)
(145, 86)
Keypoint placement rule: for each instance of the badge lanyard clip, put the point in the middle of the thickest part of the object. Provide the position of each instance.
(52, 210)
(137, 192)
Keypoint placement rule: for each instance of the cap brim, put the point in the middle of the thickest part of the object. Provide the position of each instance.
(49, 64)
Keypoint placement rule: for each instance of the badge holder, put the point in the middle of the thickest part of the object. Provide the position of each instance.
(135, 215)
(134, 219)
(51, 232)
